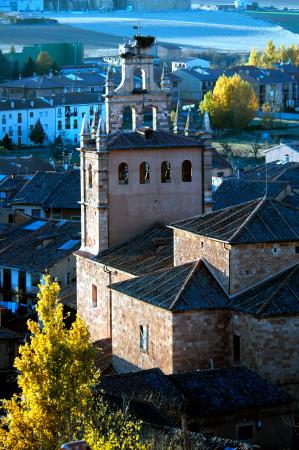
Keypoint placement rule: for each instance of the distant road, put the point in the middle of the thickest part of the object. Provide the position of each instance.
(20, 35)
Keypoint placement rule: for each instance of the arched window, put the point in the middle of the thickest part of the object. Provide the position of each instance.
(187, 171)
(165, 172)
(89, 176)
(127, 118)
(123, 173)
(139, 80)
(144, 173)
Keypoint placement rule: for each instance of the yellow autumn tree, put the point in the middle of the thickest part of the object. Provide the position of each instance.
(255, 58)
(232, 104)
(56, 378)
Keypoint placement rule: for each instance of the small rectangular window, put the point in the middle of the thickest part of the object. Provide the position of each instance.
(297, 250)
(143, 331)
(237, 348)
(276, 251)
(94, 296)
(36, 212)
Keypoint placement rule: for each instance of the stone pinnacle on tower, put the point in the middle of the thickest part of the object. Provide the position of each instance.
(187, 124)
(94, 125)
(85, 136)
(178, 126)
(101, 137)
(109, 83)
(165, 80)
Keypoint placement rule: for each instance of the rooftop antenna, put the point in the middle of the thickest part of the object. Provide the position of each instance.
(266, 190)
(138, 26)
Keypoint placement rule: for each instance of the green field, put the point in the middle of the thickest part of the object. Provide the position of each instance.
(286, 19)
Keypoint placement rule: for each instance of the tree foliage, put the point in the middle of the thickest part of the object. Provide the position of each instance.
(6, 142)
(56, 378)
(44, 63)
(5, 67)
(274, 55)
(29, 68)
(38, 134)
(232, 104)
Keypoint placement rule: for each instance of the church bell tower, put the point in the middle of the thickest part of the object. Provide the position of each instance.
(138, 100)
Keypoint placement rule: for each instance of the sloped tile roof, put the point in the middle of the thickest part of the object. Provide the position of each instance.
(181, 288)
(158, 139)
(226, 390)
(261, 220)
(277, 296)
(219, 161)
(36, 248)
(147, 385)
(234, 191)
(275, 171)
(144, 254)
(25, 165)
(199, 393)
(51, 189)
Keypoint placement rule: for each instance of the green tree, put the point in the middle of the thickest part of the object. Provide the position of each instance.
(37, 135)
(270, 55)
(44, 63)
(232, 104)
(56, 378)
(6, 142)
(15, 73)
(55, 67)
(5, 67)
(29, 68)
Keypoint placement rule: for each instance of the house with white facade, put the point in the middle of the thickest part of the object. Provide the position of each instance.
(283, 152)
(60, 115)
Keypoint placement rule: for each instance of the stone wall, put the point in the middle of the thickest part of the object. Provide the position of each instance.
(97, 318)
(200, 340)
(135, 207)
(128, 314)
(252, 263)
(236, 266)
(270, 347)
(189, 247)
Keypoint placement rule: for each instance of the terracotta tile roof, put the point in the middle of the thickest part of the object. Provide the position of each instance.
(181, 288)
(147, 253)
(277, 296)
(261, 220)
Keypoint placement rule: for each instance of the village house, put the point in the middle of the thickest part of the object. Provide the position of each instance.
(196, 83)
(59, 115)
(55, 195)
(288, 152)
(30, 250)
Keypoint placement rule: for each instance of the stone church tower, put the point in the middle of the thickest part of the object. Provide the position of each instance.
(136, 177)
(138, 100)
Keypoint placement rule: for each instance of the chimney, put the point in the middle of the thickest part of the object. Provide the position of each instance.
(32, 103)
(51, 101)
(12, 104)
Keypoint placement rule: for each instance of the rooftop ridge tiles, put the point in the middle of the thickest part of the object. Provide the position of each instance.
(189, 276)
(247, 220)
(284, 282)
(282, 218)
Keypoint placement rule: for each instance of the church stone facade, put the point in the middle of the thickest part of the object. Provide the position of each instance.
(173, 284)
(135, 175)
